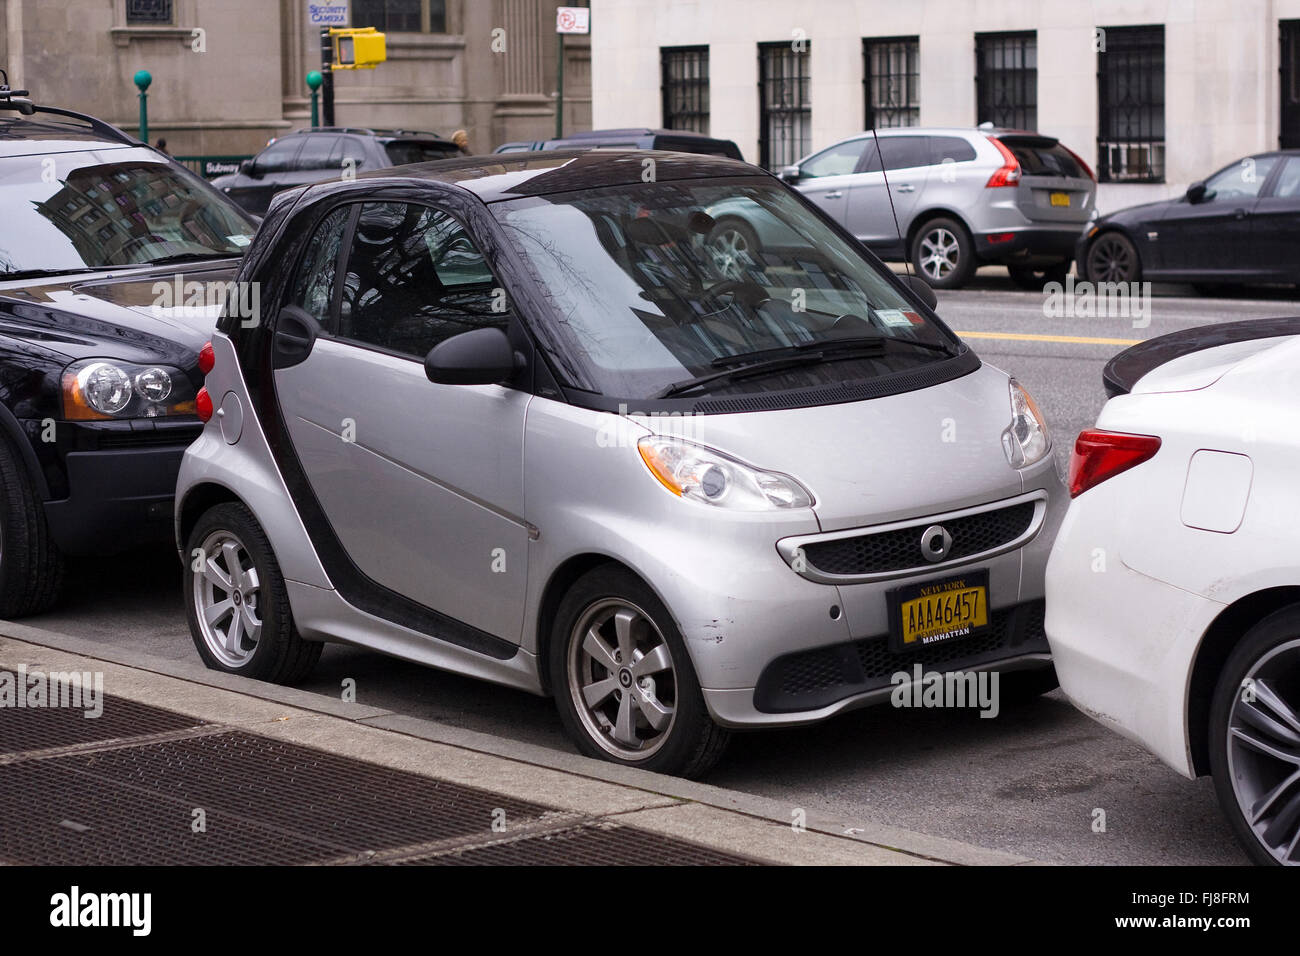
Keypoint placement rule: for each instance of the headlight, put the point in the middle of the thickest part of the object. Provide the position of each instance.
(707, 475)
(1026, 439)
(98, 389)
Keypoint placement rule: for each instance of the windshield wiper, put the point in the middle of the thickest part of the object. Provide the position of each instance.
(47, 273)
(854, 343)
(744, 371)
(190, 257)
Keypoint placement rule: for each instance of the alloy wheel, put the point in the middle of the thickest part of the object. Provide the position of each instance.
(940, 253)
(731, 251)
(1263, 743)
(1110, 260)
(227, 599)
(622, 679)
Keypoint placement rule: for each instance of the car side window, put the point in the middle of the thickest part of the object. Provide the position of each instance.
(1288, 184)
(1240, 180)
(313, 287)
(899, 152)
(950, 149)
(279, 156)
(838, 160)
(315, 152)
(351, 154)
(414, 278)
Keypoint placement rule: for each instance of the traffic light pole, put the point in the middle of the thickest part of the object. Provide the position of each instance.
(559, 84)
(327, 76)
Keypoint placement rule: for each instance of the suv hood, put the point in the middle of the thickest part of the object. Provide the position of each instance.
(884, 459)
(154, 312)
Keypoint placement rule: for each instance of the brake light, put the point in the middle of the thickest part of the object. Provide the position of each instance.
(203, 404)
(1099, 455)
(1008, 174)
(1079, 159)
(207, 358)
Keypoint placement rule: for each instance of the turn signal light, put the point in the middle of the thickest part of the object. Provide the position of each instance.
(207, 358)
(1099, 455)
(203, 405)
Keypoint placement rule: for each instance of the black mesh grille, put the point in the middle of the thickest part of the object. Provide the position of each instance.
(820, 677)
(901, 549)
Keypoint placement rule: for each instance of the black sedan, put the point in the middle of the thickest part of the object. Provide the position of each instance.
(1239, 226)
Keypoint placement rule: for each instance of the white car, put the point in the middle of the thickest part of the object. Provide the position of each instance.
(1173, 588)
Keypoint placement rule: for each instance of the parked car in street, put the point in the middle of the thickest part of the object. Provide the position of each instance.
(329, 152)
(1173, 590)
(114, 263)
(679, 141)
(957, 199)
(1239, 226)
(508, 418)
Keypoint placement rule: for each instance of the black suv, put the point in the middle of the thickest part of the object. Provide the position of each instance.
(100, 335)
(329, 152)
(674, 140)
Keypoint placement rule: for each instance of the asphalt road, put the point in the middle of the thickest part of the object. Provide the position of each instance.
(1028, 781)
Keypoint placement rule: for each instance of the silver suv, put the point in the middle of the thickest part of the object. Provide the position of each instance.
(509, 417)
(962, 197)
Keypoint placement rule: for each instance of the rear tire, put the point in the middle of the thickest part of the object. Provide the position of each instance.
(943, 254)
(1267, 712)
(649, 713)
(237, 603)
(1112, 257)
(1033, 280)
(31, 565)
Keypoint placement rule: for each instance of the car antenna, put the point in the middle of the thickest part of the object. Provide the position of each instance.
(907, 261)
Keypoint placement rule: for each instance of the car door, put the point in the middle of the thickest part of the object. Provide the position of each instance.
(421, 484)
(1275, 226)
(906, 169)
(1211, 237)
(827, 177)
(266, 176)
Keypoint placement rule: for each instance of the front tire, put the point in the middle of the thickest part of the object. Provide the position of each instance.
(1255, 739)
(943, 253)
(623, 681)
(237, 603)
(31, 565)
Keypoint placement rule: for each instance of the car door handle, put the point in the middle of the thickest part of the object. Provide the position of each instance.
(1242, 214)
(833, 194)
(907, 188)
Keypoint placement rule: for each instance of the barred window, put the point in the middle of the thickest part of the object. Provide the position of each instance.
(891, 80)
(148, 11)
(784, 103)
(1289, 137)
(1131, 104)
(685, 86)
(1006, 79)
(401, 16)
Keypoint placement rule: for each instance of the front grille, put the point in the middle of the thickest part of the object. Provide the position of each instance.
(900, 549)
(811, 679)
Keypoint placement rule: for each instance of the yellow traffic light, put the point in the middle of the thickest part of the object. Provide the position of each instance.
(358, 48)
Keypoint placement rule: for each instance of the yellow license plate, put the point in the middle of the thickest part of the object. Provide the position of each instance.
(940, 611)
(1060, 199)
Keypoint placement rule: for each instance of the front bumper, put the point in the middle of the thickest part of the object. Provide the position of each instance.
(118, 498)
(1028, 245)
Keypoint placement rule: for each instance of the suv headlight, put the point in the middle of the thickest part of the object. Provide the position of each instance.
(104, 389)
(714, 478)
(1026, 439)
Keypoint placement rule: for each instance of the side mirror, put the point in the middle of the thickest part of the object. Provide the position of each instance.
(1196, 192)
(923, 291)
(477, 357)
(249, 168)
(790, 174)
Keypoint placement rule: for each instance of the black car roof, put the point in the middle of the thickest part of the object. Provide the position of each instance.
(498, 176)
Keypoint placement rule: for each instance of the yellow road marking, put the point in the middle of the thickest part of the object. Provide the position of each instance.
(1031, 337)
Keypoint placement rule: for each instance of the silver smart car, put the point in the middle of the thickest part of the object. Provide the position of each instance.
(511, 417)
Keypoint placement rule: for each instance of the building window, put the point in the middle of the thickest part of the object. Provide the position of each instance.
(1131, 105)
(784, 103)
(401, 16)
(685, 85)
(891, 80)
(1289, 129)
(1006, 79)
(148, 11)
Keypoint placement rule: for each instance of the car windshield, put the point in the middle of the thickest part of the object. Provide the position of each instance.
(652, 285)
(111, 207)
(402, 152)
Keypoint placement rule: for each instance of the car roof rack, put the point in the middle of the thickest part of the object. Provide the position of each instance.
(20, 101)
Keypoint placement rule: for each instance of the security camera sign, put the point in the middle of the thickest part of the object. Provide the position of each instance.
(327, 13)
(572, 20)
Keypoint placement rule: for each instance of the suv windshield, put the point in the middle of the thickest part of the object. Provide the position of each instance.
(112, 207)
(654, 286)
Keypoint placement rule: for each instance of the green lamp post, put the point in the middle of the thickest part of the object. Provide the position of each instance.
(142, 80)
(314, 80)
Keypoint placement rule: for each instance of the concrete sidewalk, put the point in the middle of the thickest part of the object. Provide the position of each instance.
(554, 805)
